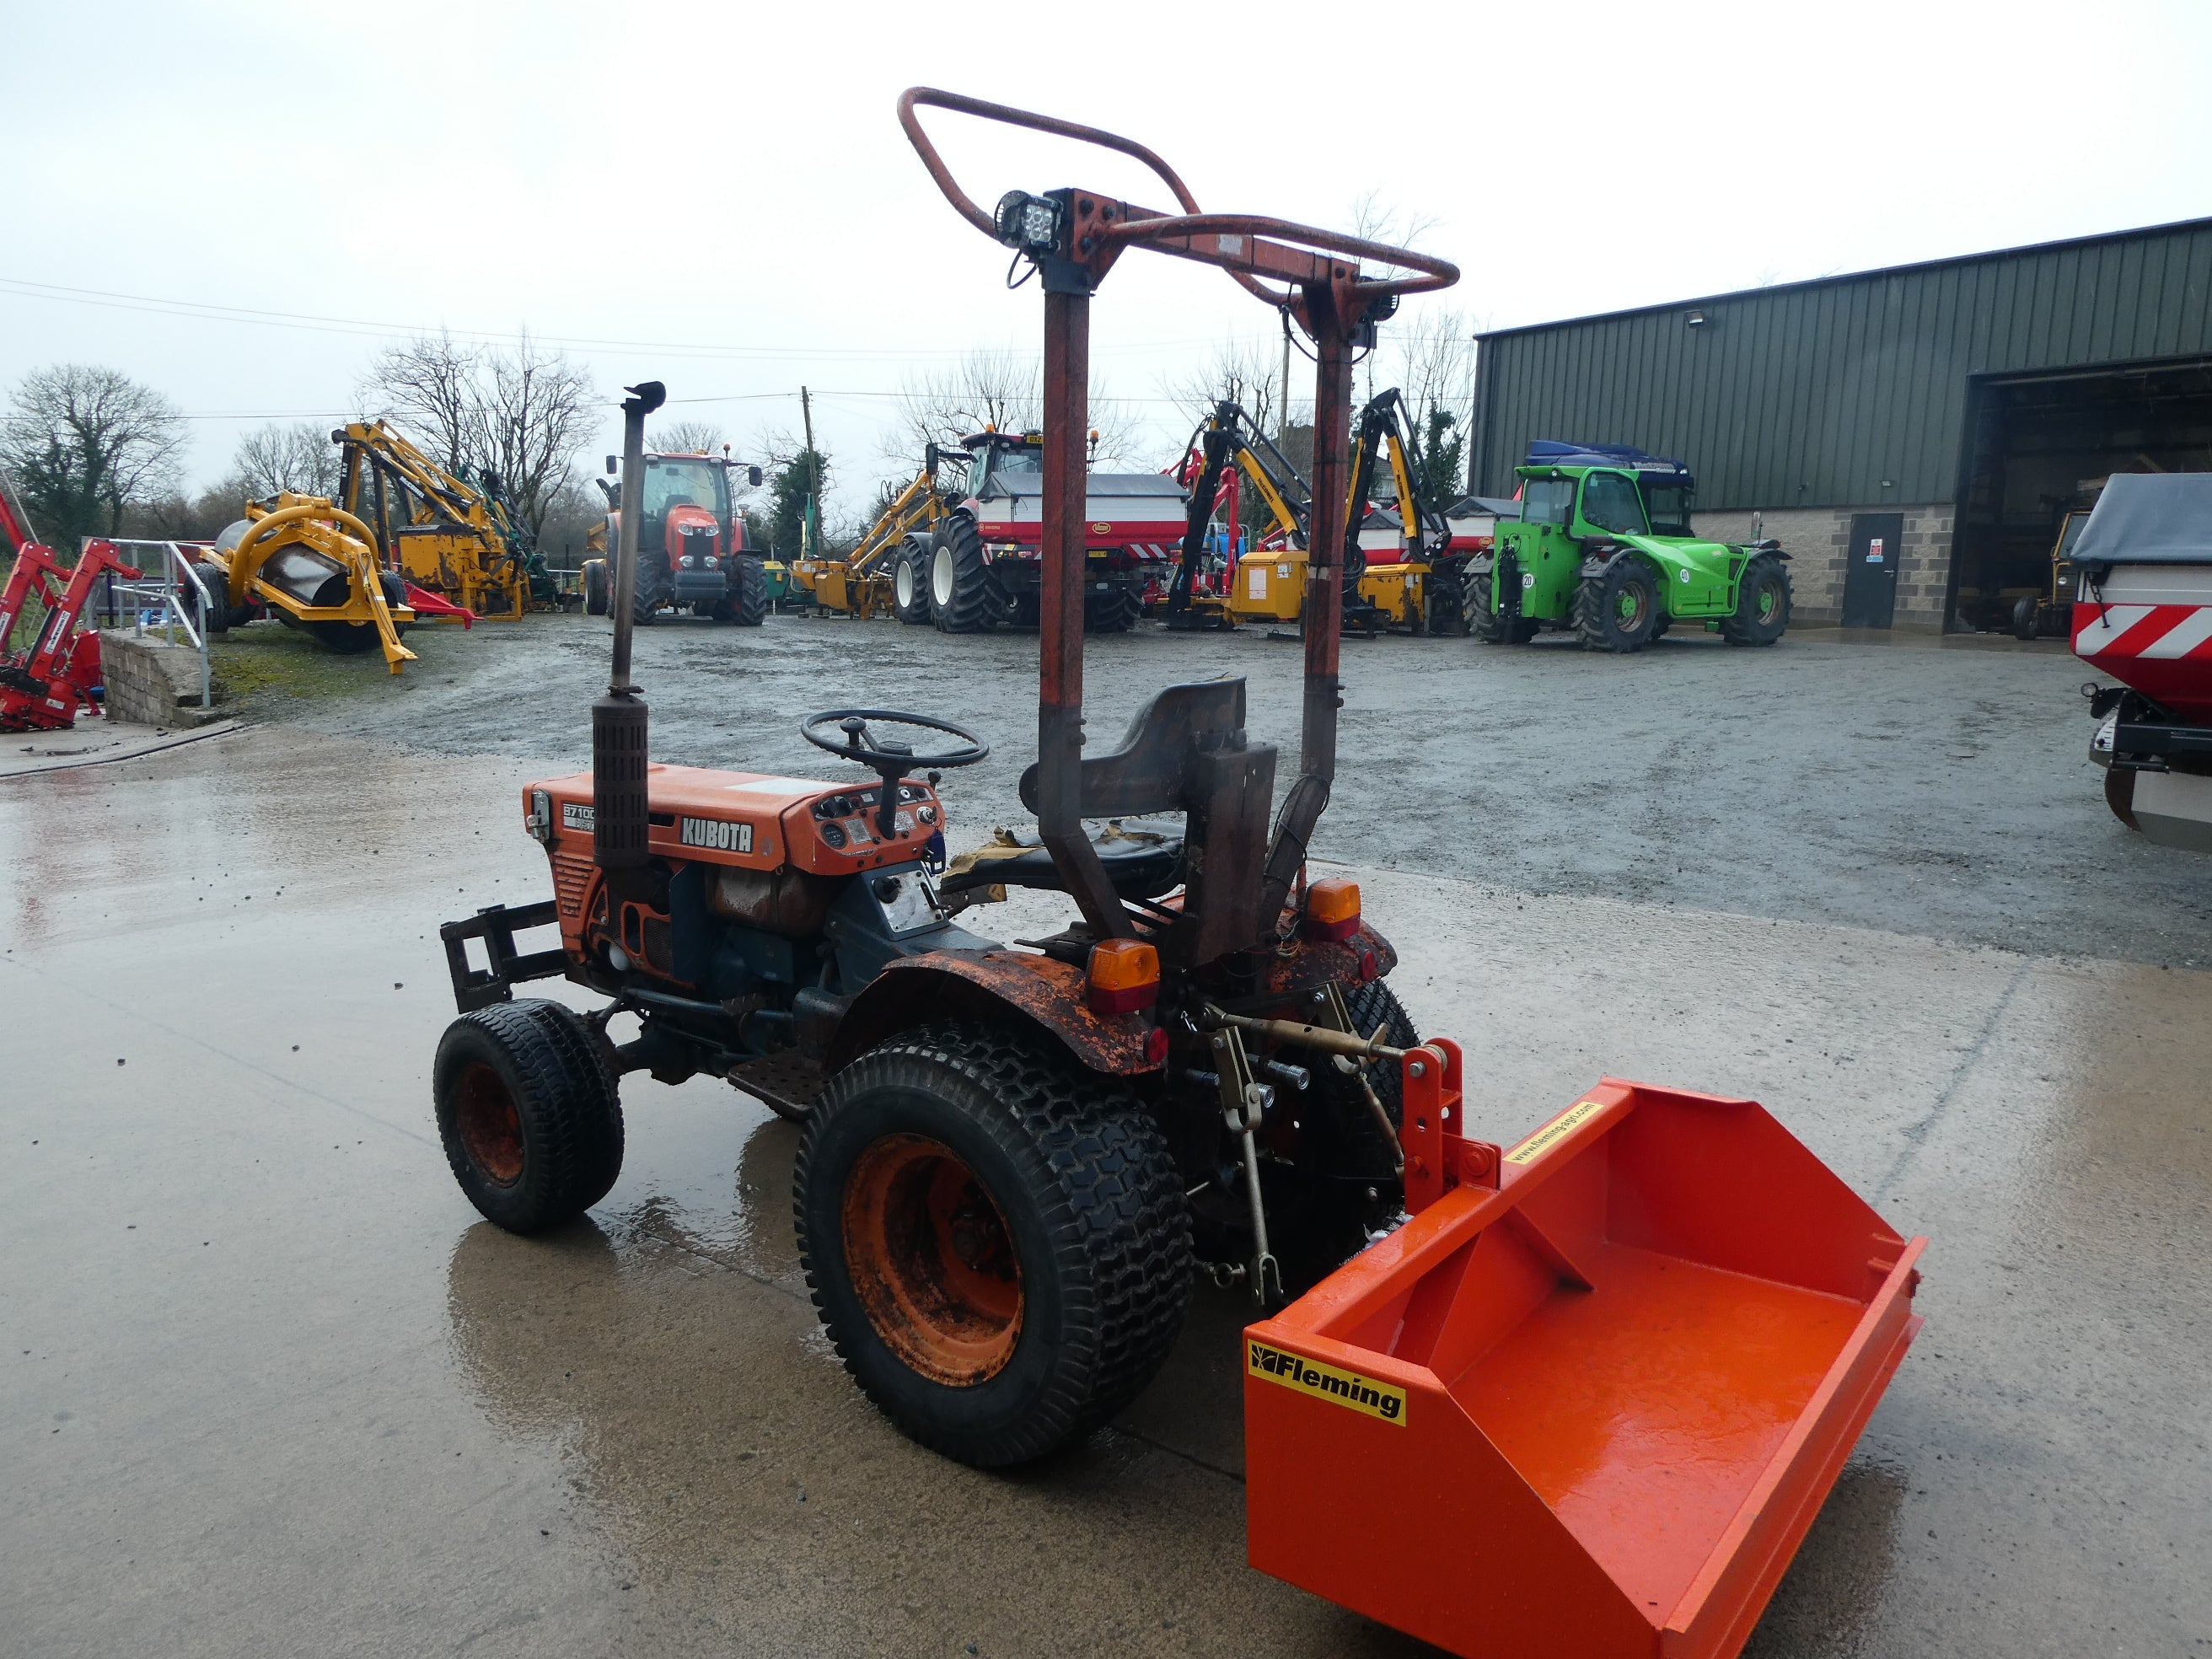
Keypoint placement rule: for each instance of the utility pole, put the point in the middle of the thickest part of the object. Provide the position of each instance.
(811, 519)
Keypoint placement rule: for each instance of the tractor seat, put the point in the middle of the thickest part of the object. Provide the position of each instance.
(1141, 862)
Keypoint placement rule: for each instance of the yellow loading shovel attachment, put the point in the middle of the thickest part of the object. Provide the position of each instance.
(1600, 1383)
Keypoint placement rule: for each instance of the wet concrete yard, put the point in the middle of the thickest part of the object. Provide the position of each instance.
(272, 1388)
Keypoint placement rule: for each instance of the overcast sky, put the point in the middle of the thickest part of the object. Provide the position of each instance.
(721, 198)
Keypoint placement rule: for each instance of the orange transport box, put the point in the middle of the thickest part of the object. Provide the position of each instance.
(1587, 1402)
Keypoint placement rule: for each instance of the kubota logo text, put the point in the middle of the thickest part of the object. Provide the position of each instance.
(718, 834)
(1348, 1389)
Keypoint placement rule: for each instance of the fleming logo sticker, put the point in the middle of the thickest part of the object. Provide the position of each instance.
(1555, 1132)
(1346, 1389)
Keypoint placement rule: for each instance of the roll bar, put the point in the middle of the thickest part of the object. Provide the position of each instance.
(1073, 238)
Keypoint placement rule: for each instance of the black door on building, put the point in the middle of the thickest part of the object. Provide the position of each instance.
(1870, 579)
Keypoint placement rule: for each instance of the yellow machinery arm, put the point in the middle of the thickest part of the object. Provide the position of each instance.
(290, 559)
(858, 584)
(440, 532)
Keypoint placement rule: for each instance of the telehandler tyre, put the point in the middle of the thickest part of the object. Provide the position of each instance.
(747, 603)
(962, 596)
(528, 1112)
(910, 582)
(996, 1240)
(1484, 622)
(1617, 608)
(597, 601)
(1762, 606)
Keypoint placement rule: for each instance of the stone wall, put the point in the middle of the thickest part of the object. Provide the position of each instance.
(153, 683)
(1818, 540)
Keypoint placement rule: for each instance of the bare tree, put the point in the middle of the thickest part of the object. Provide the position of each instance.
(433, 384)
(1249, 373)
(996, 388)
(685, 437)
(986, 387)
(511, 419)
(85, 444)
(536, 413)
(270, 460)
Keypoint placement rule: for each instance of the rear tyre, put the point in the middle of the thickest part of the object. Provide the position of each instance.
(962, 596)
(1762, 604)
(1616, 609)
(212, 613)
(747, 602)
(528, 1113)
(2024, 617)
(1114, 611)
(910, 582)
(1353, 1188)
(2120, 795)
(996, 1240)
(597, 598)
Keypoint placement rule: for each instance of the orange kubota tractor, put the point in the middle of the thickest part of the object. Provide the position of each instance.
(1584, 1403)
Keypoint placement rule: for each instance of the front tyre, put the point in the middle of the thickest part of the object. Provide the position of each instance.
(996, 1240)
(596, 592)
(1762, 605)
(746, 602)
(528, 1113)
(910, 582)
(1618, 609)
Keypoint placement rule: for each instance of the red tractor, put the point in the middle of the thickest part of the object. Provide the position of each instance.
(692, 553)
(983, 567)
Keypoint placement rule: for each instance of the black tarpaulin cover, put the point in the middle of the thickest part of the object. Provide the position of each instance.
(2148, 517)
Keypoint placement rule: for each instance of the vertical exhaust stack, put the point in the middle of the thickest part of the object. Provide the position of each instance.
(618, 720)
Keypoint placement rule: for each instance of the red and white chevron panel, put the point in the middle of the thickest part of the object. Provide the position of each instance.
(2162, 650)
(2161, 632)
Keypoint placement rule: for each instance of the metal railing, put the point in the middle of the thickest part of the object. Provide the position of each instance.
(160, 601)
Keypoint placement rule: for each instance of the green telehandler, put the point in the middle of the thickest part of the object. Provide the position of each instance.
(1603, 549)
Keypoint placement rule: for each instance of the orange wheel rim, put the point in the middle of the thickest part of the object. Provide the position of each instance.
(932, 1260)
(491, 1128)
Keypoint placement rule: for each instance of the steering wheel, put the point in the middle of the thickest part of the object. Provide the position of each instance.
(889, 758)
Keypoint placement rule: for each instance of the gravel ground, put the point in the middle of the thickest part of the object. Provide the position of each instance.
(1904, 783)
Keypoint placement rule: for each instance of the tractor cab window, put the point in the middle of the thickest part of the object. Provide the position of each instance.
(1610, 502)
(1670, 505)
(2070, 532)
(1546, 501)
(684, 481)
(1012, 470)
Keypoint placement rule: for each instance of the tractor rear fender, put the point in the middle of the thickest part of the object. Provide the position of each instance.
(1034, 990)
